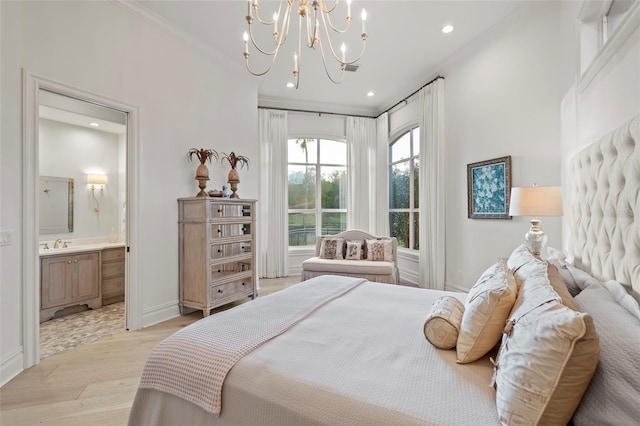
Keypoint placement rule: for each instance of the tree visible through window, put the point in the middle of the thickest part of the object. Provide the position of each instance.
(317, 189)
(404, 189)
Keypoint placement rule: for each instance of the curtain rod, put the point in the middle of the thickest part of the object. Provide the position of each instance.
(407, 97)
(316, 112)
(354, 115)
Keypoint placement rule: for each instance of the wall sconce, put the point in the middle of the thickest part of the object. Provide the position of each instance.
(93, 180)
(535, 201)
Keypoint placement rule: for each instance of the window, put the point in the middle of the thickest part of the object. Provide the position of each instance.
(317, 189)
(404, 185)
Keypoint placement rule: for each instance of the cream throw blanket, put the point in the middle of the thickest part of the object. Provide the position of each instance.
(193, 363)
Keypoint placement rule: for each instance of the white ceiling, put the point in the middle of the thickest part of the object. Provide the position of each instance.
(403, 51)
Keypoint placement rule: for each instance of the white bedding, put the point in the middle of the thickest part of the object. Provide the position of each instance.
(360, 359)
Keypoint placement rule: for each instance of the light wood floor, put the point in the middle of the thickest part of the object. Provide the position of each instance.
(93, 384)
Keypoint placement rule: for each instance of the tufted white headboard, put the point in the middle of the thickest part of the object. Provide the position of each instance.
(605, 207)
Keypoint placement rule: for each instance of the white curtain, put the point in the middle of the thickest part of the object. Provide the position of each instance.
(272, 219)
(432, 188)
(380, 197)
(361, 143)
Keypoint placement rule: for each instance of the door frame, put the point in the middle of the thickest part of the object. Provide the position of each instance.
(31, 84)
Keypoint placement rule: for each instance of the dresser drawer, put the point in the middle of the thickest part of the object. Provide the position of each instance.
(111, 270)
(231, 289)
(235, 210)
(219, 251)
(221, 270)
(110, 255)
(223, 230)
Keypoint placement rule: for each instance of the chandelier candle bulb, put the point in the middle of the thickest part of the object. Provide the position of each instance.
(344, 50)
(363, 15)
(348, 9)
(295, 62)
(275, 23)
(245, 37)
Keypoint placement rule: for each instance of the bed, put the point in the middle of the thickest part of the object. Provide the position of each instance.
(342, 350)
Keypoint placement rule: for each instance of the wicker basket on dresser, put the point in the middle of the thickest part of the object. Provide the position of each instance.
(217, 251)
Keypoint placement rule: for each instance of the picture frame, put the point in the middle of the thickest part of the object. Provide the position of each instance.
(489, 188)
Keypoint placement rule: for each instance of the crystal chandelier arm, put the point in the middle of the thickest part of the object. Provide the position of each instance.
(326, 70)
(281, 36)
(256, 8)
(333, 52)
(325, 9)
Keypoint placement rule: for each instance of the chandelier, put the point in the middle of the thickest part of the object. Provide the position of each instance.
(311, 15)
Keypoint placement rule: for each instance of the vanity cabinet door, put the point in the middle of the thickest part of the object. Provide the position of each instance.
(87, 270)
(57, 281)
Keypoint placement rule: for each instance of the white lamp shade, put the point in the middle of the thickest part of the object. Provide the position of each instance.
(536, 201)
(96, 179)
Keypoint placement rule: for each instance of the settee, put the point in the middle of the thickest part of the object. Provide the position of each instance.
(354, 253)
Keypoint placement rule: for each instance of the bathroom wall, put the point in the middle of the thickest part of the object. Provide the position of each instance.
(70, 151)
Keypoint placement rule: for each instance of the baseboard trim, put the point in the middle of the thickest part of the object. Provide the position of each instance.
(11, 366)
(160, 313)
(449, 286)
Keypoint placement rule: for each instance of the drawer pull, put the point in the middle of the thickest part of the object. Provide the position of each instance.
(68, 261)
(219, 251)
(75, 260)
(219, 271)
(219, 290)
(242, 283)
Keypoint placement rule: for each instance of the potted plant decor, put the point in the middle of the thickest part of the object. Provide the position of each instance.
(202, 172)
(233, 178)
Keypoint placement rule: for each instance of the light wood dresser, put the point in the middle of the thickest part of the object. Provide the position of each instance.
(217, 251)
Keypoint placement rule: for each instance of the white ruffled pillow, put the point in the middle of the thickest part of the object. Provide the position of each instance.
(488, 305)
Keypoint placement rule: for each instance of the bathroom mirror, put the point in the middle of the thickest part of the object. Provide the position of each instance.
(56, 205)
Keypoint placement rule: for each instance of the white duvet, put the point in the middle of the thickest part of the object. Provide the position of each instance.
(360, 359)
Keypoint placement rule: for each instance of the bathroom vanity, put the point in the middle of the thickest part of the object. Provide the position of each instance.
(91, 274)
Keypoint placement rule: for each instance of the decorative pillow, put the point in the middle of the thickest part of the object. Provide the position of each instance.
(613, 395)
(558, 259)
(547, 358)
(354, 250)
(331, 248)
(521, 256)
(488, 305)
(548, 354)
(379, 249)
(443, 322)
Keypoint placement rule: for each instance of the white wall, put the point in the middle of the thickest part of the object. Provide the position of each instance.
(72, 151)
(186, 98)
(502, 97)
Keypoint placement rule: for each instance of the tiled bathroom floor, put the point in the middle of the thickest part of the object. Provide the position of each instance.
(67, 332)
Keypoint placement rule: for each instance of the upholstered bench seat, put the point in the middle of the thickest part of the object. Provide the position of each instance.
(382, 271)
(315, 264)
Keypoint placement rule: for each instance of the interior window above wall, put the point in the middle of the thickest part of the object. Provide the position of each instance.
(599, 21)
(317, 185)
(404, 202)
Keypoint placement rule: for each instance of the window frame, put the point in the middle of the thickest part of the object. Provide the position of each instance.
(414, 208)
(319, 210)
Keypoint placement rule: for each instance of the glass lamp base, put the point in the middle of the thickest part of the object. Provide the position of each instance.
(535, 239)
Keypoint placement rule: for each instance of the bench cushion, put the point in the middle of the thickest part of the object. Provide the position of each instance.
(368, 267)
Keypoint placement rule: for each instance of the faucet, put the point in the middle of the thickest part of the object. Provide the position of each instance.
(45, 246)
(66, 244)
(57, 244)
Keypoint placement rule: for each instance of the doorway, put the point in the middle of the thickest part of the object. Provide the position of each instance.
(82, 234)
(117, 208)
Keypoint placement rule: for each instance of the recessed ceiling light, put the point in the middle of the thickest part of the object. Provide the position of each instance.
(289, 85)
(94, 124)
(447, 29)
(370, 93)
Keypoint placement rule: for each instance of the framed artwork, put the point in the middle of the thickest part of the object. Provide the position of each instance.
(489, 188)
